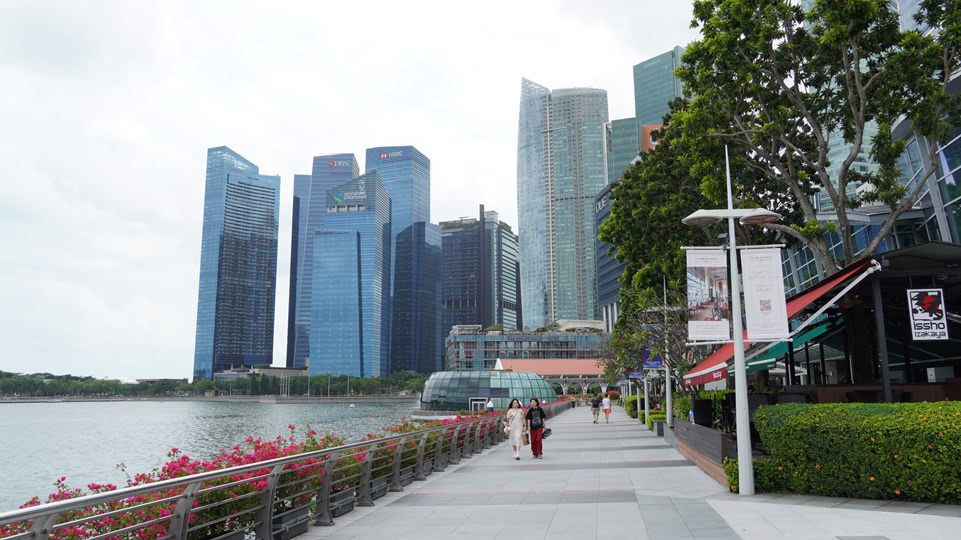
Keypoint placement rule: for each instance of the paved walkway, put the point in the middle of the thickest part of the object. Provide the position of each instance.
(617, 481)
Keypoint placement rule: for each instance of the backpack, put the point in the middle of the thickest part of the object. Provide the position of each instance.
(595, 403)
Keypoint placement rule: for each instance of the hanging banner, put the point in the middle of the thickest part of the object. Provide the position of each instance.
(708, 310)
(764, 303)
(929, 319)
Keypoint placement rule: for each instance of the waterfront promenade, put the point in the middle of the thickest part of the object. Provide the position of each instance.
(616, 481)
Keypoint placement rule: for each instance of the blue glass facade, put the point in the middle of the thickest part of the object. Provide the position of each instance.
(309, 213)
(405, 172)
(349, 331)
(655, 86)
(238, 265)
(415, 329)
(561, 166)
(609, 270)
(479, 271)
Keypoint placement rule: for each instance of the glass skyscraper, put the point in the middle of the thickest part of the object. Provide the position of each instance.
(405, 172)
(622, 143)
(309, 212)
(349, 330)
(415, 329)
(560, 168)
(655, 86)
(480, 273)
(238, 265)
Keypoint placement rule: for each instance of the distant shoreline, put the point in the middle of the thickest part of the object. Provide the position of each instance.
(233, 399)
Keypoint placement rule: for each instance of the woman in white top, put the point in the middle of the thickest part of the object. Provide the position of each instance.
(514, 425)
(606, 405)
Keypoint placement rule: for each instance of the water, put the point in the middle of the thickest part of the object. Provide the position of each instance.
(40, 442)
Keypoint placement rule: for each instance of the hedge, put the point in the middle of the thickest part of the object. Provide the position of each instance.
(681, 405)
(659, 416)
(630, 406)
(901, 451)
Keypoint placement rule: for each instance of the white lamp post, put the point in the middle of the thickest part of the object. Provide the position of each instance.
(745, 464)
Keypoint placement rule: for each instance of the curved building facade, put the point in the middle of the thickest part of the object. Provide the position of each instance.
(455, 390)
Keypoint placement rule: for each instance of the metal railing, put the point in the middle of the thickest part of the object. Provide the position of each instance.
(266, 499)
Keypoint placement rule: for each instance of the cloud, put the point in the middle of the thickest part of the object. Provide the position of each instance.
(109, 109)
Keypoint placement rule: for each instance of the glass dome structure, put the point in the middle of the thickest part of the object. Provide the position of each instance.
(455, 390)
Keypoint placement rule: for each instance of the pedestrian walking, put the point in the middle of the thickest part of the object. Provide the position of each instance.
(490, 405)
(536, 422)
(596, 406)
(606, 404)
(514, 426)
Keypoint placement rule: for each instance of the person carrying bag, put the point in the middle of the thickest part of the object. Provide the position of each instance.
(536, 422)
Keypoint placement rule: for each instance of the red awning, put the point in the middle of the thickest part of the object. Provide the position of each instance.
(705, 371)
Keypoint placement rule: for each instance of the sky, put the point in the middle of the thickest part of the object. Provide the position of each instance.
(109, 107)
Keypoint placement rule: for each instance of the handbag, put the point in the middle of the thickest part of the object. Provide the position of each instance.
(547, 433)
(526, 438)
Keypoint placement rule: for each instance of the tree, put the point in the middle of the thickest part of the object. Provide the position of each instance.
(777, 82)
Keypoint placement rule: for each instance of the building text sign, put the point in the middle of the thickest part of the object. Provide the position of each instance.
(929, 319)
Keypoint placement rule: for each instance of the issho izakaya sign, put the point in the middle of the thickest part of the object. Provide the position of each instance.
(929, 320)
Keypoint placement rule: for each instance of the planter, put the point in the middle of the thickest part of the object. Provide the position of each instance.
(239, 534)
(406, 476)
(341, 502)
(659, 428)
(428, 467)
(290, 525)
(669, 436)
(379, 487)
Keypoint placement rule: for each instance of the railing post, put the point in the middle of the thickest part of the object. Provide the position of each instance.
(481, 442)
(421, 450)
(397, 457)
(454, 451)
(364, 497)
(42, 527)
(468, 451)
(489, 433)
(439, 464)
(266, 513)
(323, 494)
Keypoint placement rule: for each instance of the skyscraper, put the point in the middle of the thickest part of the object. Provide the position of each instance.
(480, 273)
(622, 143)
(415, 330)
(560, 167)
(238, 265)
(309, 212)
(655, 86)
(405, 172)
(349, 328)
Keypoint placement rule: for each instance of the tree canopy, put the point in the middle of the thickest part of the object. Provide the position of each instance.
(777, 83)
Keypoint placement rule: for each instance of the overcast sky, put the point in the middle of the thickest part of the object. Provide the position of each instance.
(108, 109)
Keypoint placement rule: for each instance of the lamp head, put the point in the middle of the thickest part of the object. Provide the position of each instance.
(701, 217)
(760, 216)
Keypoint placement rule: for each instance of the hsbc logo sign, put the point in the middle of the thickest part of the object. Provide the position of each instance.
(338, 163)
(386, 155)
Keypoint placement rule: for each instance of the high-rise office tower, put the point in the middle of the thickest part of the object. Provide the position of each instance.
(560, 168)
(349, 327)
(480, 273)
(238, 265)
(622, 143)
(405, 172)
(655, 86)
(309, 212)
(415, 330)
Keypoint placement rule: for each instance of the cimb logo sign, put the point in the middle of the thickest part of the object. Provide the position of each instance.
(386, 155)
(338, 163)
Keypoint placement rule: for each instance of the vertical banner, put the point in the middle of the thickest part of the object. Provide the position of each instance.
(708, 310)
(929, 319)
(764, 303)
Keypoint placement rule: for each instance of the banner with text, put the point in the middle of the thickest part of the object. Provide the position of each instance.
(764, 303)
(708, 309)
(929, 319)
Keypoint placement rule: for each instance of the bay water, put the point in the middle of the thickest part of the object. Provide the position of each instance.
(84, 441)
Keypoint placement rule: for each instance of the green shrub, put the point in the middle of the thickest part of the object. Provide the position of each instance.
(681, 405)
(630, 405)
(903, 451)
(655, 417)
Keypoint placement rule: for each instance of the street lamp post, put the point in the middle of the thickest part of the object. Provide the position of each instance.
(745, 464)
